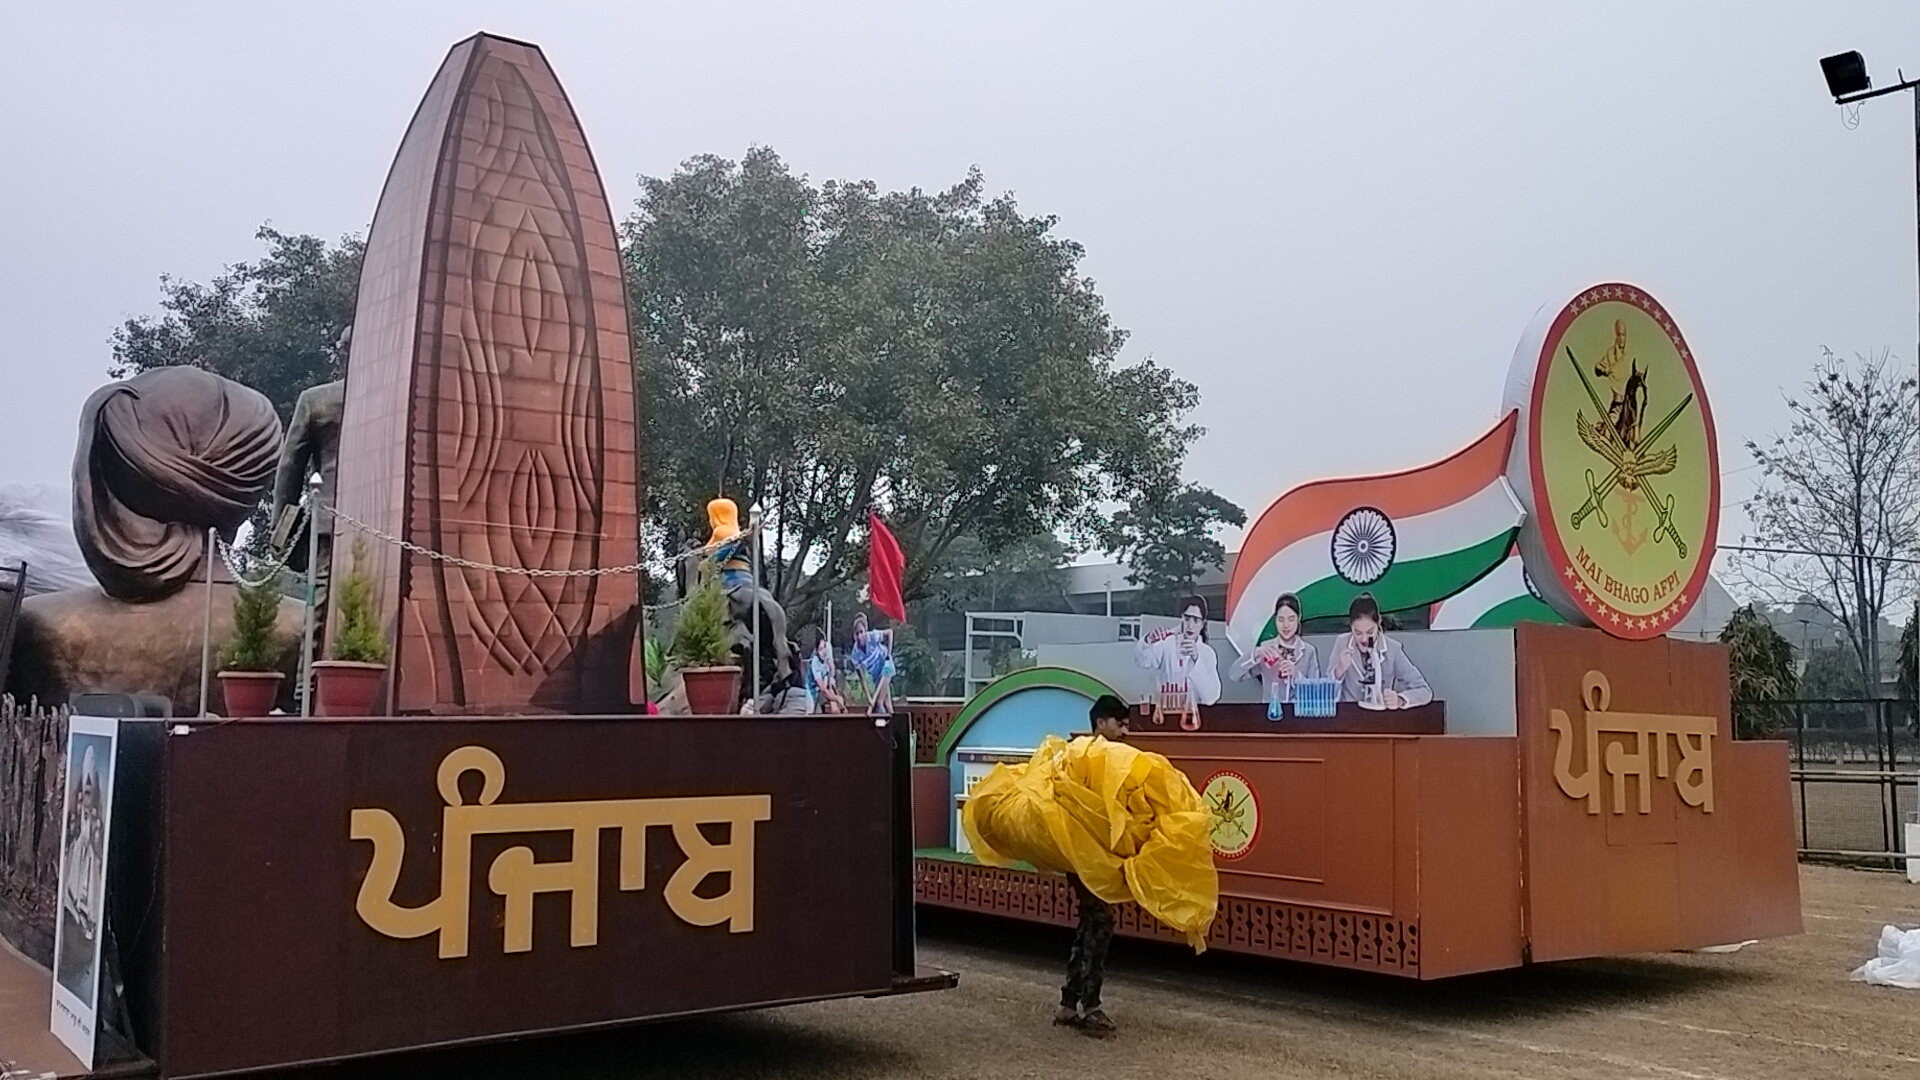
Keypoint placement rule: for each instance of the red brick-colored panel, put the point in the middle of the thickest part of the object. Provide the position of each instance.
(932, 807)
(929, 724)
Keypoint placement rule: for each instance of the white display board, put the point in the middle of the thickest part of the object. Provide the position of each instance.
(81, 924)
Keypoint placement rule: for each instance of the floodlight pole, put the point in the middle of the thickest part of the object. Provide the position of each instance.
(1905, 84)
(313, 594)
(206, 626)
(754, 679)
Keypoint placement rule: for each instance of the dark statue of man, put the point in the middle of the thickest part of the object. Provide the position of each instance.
(312, 445)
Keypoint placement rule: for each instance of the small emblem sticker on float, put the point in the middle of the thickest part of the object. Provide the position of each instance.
(1236, 813)
(1626, 479)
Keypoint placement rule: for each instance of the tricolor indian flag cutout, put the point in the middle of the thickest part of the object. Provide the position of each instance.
(1410, 538)
(1501, 599)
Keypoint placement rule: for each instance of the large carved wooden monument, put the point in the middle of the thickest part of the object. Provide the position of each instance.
(489, 402)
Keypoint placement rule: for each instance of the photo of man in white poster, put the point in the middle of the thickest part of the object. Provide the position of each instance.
(1188, 670)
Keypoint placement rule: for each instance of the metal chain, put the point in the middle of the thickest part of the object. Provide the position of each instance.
(227, 552)
(455, 560)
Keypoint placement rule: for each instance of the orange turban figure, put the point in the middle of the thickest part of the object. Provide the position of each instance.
(724, 518)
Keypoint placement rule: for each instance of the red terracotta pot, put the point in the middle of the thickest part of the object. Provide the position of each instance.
(713, 691)
(345, 687)
(249, 693)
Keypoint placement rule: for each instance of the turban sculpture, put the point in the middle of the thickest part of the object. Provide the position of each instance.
(163, 457)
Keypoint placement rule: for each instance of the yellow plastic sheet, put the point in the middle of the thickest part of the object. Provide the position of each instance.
(1125, 821)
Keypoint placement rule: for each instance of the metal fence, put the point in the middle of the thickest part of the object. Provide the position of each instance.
(1856, 771)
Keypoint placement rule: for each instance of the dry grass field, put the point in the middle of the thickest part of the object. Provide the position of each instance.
(1779, 1010)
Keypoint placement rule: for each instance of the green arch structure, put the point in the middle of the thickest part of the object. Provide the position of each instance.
(1033, 678)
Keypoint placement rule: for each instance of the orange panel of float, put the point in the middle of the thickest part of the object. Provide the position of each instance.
(1618, 816)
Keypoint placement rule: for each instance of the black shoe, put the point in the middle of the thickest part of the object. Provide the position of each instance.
(1098, 1024)
(1066, 1016)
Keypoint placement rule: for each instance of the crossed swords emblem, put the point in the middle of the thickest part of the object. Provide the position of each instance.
(1228, 815)
(1632, 466)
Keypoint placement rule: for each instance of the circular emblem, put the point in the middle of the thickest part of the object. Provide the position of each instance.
(1236, 813)
(1363, 546)
(1621, 472)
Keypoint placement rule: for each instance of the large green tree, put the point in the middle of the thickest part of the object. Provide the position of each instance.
(273, 324)
(1166, 540)
(1026, 575)
(1832, 673)
(829, 350)
(1762, 668)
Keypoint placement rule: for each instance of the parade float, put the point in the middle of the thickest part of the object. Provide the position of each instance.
(1544, 776)
(507, 846)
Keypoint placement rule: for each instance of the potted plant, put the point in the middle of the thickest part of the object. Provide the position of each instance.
(347, 682)
(250, 661)
(701, 652)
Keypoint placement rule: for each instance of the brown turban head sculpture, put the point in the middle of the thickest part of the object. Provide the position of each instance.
(163, 457)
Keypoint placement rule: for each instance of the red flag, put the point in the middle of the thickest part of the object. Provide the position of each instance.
(886, 569)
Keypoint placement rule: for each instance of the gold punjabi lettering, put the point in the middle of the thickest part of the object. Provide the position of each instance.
(1649, 756)
(517, 877)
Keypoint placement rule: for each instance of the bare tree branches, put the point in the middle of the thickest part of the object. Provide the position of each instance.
(1842, 480)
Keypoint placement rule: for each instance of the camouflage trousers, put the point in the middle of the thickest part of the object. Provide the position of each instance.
(1087, 963)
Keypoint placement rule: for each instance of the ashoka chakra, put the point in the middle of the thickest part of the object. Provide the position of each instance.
(1363, 546)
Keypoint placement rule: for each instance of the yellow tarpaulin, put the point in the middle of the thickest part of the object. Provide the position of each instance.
(1125, 821)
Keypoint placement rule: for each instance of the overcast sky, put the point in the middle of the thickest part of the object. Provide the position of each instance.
(1335, 219)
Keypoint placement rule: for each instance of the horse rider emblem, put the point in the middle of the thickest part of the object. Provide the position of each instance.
(1631, 459)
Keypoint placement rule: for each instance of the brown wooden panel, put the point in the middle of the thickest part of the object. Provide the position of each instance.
(1326, 813)
(1406, 826)
(1643, 897)
(1469, 849)
(1675, 876)
(1768, 900)
(268, 961)
(489, 410)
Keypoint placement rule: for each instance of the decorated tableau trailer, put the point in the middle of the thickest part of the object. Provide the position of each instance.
(1514, 790)
(1593, 804)
(510, 845)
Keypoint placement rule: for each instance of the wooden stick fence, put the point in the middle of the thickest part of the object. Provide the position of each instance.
(32, 768)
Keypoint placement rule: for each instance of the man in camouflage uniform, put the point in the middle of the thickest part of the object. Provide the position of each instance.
(1087, 963)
